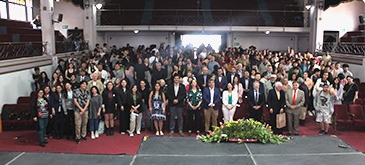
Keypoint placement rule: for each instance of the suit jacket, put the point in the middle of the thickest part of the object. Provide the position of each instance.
(99, 85)
(216, 98)
(252, 102)
(268, 87)
(243, 82)
(56, 104)
(224, 82)
(274, 102)
(306, 91)
(201, 80)
(86, 78)
(181, 94)
(262, 86)
(130, 102)
(229, 78)
(299, 99)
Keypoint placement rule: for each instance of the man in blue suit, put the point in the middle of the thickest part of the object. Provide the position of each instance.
(211, 97)
(221, 80)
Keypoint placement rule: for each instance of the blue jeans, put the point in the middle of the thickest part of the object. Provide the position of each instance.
(131, 80)
(43, 122)
(148, 116)
(77, 45)
(94, 124)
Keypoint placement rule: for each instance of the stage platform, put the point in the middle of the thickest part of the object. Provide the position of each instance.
(301, 150)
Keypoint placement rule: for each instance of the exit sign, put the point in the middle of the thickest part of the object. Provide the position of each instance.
(236, 44)
(64, 26)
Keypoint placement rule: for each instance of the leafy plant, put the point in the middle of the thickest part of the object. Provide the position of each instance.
(243, 129)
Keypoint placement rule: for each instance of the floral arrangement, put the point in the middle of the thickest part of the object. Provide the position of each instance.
(243, 129)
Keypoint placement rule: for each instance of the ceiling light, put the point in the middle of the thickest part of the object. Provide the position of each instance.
(308, 6)
(136, 31)
(267, 32)
(99, 6)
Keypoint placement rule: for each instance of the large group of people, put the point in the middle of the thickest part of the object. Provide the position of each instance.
(147, 86)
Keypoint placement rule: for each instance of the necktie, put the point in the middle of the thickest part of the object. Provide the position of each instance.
(256, 97)
(220, 83)
(294, 97)
(278, 94)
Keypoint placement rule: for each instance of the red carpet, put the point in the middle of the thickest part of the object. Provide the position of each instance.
(123, 144)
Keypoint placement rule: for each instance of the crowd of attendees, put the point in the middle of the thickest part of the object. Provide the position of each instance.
(128, 83)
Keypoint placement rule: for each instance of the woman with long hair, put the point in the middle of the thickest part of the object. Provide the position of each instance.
(238, 88)
(157, 104)
(40, 108)
(43, 81)
(70, 71)
(122, 93)
(96, 103)
(135, 101)
(338, 87)
(58, 112)
(194, 99)
(109, 101)
(229, 99)
(69, 106)
(48, 94)
(60, 81)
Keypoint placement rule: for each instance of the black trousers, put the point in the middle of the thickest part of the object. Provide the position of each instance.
(191, 113)
(255, 114)
(273, 123)
(70, 124)
(124, 119)
(58, 123)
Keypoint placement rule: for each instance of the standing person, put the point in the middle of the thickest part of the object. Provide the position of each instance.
(211, 97)
(221, 81)
(194, 99)
(36, 22)
(81, 100)
(135, 101)
(295, 100)
(36, 77)
(140, 71)
(256, 101)
(229, 99)
(122, 92)
(95, 82)
(157, 104)
(237, 87)
(96, 103)
(58, 112)
(109, 101)
(323, 103)
(276, 102)
(303, 86)
(351, 91)
(320, 82)
(144, 90)
(43, 81)
(176, 94)
(204, 78)
(246, 82)
(339, 91)
(40, 113)
(69, 106)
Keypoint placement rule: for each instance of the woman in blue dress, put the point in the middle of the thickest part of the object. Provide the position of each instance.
(157, 106)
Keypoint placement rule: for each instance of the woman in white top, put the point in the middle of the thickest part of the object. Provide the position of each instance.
(229, 100)
(185, 80)
(338, 87)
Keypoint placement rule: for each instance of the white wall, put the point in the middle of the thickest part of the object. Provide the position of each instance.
(121, 39)
(273, 41)
(18, 84)
(342, 18)
(72, 16)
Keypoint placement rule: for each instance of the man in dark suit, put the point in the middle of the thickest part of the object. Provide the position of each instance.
(231, 75)
(256, 101)
(82, 77)
(176, 94)
(211, 97)
(276, 102)
(204, 78)
(257, 78)
(306, 91)
(246, 82)
(221, 80)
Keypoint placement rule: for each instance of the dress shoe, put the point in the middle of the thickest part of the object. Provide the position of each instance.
(189, 132)
(107, 131)
(45, 142)
(142, 129)
(111, 131)
(42, 144)
(171, 133)
(296, 134)
(77, 141)
(83, 139)
(181, 133)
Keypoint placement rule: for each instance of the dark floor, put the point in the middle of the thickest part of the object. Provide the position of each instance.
(186, 150)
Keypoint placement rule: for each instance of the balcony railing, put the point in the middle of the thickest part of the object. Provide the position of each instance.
(345, 48)
(9, 50)
(70, 46)
(202, 17)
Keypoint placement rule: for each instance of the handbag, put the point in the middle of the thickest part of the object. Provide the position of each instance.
(303, 114)
(281, 120)
(101, 127)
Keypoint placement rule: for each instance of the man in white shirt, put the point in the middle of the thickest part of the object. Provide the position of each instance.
(203, 54)
(346, 71)
(104, 73)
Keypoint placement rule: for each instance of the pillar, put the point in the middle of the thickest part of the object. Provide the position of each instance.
(47, 8)
(90, 18)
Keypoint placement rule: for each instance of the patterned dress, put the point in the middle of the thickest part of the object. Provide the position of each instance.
(157, 108)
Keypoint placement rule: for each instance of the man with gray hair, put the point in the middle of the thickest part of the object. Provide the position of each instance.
(276, 102)
(158, 73)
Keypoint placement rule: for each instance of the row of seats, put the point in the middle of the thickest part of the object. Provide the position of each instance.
(352, 116)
